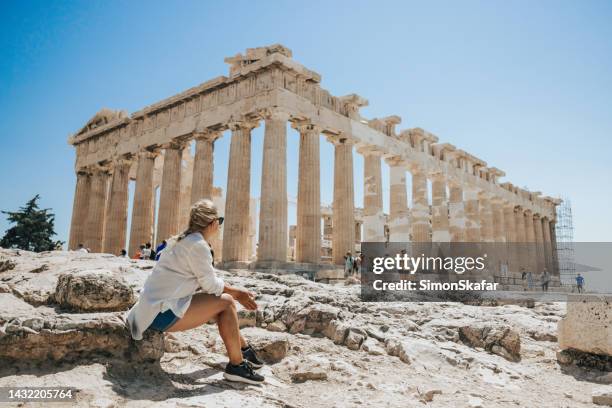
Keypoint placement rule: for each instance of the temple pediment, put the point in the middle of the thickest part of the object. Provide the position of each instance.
(103, 117)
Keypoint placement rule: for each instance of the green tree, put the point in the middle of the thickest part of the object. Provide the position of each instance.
(33, 228)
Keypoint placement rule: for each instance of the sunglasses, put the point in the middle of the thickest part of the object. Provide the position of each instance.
(220, 219)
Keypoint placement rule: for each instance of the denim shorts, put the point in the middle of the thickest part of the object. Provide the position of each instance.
(164, 320)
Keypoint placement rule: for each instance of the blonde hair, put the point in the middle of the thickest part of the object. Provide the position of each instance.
(201, 214)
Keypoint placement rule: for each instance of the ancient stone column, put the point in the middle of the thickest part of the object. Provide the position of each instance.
(521, 238)
(273, 211)
(531, 255)
(94, 227)
(373, 218)
(203, 167)
(79, 208)
(472, 216)
(486, 218)
(547, 244)
(553, 242)
(456, 211)
(308, 234)
(343, 232)
(170, 193)
(116, 216)
(539, 243)
(236, 226)
(419, 213)
(499, 236)
(511, 240)
(142, 210)
(439, 208)
(399, 217)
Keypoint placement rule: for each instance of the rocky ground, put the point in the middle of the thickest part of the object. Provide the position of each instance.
(60, 325)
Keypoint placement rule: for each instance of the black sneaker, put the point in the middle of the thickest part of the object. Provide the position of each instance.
(242, 372)
(251, 357)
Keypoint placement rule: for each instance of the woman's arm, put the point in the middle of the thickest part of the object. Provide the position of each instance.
(243, 296)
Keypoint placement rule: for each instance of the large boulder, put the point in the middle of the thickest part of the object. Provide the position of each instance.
(74, 337)
(587, 326)
(497, 340)
(270, 346)
(93, 290)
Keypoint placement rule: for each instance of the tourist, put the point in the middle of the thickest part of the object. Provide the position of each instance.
(82, 249)
(545, 280)
(138, 254)
(348, 264)
(169, 302)
(160, 248)
(580, 283)
(123, 254)
(524, 279)
(357, 264)
(146, 252)
(530, 280)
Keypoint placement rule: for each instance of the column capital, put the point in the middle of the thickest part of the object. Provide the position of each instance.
(339, 139)
(175, 144)
(369, 150)
(306, 126)
(207, 135)
(242, 124)
(83, 171)
(528, 213)
(395, 161)
(274, 114)
(437, 175)
(537, 216)
(149, 153)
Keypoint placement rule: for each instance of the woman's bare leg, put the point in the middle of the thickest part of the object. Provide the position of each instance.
(205, 307)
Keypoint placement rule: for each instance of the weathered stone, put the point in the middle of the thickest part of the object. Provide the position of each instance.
(602, 396)
(587, 325)
(93, 290)
(271, 347)
(6, 265)
(310, 374)
(277, 326)
(336, 331)
(247, 318)
(75, 337)
(354, 339)
(497, 340)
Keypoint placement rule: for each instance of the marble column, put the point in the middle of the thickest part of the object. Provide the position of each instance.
(419, 213)
(399, 215)
(499, 236)
(94, 232)
(273, 240)
(236, 226)
(530, 252)
(511, 240)
(553, 242)
(486, 218)
(143, 208)
(116, 217)
(79, 208)
(521, 238)
(203, 166)
(472, 216)
(170, 193)
(539, 243)
(547, 244)
(439, 208)
(308, 233)
(373, 218)
(456, 211)
(343, 232)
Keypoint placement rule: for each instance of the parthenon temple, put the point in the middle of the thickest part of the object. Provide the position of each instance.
(267, 86)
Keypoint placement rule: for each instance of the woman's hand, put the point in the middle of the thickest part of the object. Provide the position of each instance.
(242, 296)
(246, 299)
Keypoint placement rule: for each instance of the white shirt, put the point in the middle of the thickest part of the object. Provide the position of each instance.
(184, 267)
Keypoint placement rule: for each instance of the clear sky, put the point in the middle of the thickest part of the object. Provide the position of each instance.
(524, 85)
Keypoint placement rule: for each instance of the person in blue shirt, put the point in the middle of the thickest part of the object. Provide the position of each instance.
(580, 283)
(160, 248)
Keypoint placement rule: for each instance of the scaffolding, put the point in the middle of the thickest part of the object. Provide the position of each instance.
(564, 252)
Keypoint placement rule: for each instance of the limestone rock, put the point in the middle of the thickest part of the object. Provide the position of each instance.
(277, 326)
(93, 290)
(336, 331)
(372, 347)
(587, 325)
(602, 396)
(6, 265)
(303, 375)
(247, 318)
(354, 338)
(271, 347)
(497, 340)
(74, 337)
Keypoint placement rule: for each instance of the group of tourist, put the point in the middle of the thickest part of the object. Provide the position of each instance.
(529, 281)
(352, 264)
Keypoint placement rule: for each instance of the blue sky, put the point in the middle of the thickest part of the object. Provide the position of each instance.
(524, 85)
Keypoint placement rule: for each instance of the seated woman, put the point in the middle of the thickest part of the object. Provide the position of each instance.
(169, 302)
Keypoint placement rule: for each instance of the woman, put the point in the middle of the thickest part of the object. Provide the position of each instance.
(169, 302)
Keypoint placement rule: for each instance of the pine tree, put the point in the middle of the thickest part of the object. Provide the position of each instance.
(33, 228)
